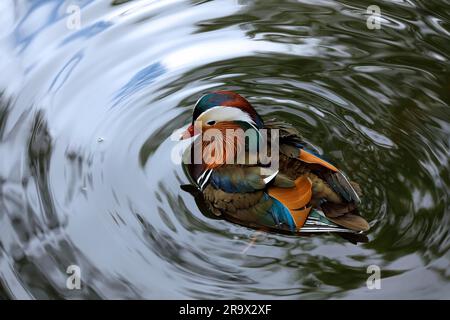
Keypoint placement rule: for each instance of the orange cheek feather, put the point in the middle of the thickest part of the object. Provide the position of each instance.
(215, 153)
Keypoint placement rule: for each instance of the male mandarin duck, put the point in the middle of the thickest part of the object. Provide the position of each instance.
(303, 193)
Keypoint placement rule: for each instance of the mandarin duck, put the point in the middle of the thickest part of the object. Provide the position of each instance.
(301, 193)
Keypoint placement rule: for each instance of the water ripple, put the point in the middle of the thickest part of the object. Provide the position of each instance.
(86, 118)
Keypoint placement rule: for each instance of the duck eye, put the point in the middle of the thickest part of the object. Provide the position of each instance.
(210, 122)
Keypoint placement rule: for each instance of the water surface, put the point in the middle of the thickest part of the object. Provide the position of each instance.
(86, 116)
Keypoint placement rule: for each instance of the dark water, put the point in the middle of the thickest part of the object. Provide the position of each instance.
(86, 115)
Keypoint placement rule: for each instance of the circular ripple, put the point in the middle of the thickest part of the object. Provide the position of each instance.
(86, 121)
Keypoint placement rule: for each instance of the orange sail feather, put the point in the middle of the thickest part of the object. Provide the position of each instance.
(295, 199)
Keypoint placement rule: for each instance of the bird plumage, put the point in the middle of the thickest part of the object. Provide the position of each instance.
(305, 191)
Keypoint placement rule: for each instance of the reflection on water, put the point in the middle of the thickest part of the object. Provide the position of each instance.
(86, 117)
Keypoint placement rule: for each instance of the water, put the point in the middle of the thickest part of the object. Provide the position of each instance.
(86, 117)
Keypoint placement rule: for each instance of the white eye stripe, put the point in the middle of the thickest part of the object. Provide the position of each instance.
(224, 113)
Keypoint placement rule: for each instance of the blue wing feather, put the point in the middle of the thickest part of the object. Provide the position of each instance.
(225, 181)
(281, 214)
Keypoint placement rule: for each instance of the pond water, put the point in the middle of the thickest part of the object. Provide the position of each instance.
(86, 116)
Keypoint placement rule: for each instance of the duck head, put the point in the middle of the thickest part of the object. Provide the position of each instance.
(222, 110)
(217, 114)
